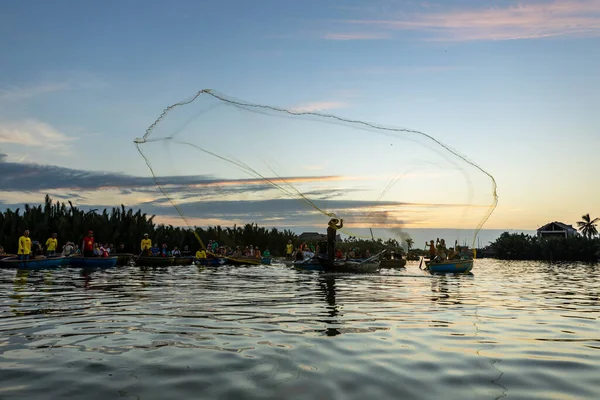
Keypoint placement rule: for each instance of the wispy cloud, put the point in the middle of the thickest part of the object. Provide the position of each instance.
(54, 83)
(573, 18)
(318, 106)
(356, 36)
(33, 133)
(18, 93)
(29, 176)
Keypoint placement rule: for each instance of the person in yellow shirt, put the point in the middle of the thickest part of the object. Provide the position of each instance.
(146, 245)
(289, 249)
(51, 245)
(201, 254)
(24, 246)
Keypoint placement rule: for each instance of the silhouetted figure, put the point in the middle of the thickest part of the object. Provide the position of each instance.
(332, 227)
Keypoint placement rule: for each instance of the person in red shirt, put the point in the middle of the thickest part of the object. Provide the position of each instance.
(88, 245)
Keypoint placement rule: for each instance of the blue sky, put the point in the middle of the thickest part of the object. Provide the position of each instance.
(511, 85)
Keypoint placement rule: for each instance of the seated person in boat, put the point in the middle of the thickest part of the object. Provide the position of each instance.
(103, 250)
(97, 251)
(339, 255)
(257, 253)
(51, 245)
(176, 252)
(186, 251)
(453, 254)
(465, 253)
(37, 249)
(367, 253)
(67, 249)
(155, 251)
(201, 254)
(2, 253)
(237, 252)
(164, 251)
(351, 254)
(266, 253)
(298, 255)
(307, 254)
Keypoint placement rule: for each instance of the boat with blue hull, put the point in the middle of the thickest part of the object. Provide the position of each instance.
(339, 266)
(209, 262)
(36, 263)
(450, 266)
(311, 264)
(93, 262)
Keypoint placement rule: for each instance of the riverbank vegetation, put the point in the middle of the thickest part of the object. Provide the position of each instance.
(126, 226)
(526, 247)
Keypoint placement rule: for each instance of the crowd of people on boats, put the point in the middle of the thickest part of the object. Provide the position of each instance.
(28, 248)
(214, 250)
(33, 249)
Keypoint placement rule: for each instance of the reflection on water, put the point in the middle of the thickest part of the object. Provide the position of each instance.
(520, 329)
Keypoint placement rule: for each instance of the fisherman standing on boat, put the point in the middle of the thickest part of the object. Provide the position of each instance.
(24, 246)
(332, 227)
(146, 245)
(289, 249)
(51, 245)
(88, 245)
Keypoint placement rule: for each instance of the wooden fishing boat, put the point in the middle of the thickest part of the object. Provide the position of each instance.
(347, 266)
(187, 260)
(93, 262)
(34, 263)
(156, 261)
(311, 264)
(450, 266)
(123, 258)
(395, 263)
(209, 262)
(242, 260)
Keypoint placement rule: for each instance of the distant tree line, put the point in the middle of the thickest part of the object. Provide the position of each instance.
(526, 247)
(124, 226)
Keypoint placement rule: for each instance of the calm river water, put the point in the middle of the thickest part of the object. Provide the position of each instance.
(511, 330)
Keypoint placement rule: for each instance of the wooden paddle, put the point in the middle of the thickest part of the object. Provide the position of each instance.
(423, 257)
(373, 257)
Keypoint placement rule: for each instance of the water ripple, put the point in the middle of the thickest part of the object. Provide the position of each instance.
(512, 329)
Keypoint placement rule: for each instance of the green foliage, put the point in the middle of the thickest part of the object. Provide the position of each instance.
(124, 226)
(525, 247)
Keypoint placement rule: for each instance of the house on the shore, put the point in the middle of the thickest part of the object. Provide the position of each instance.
(556, 229)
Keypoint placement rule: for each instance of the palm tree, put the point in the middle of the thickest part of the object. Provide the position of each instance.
(587, 227)
(409, 243)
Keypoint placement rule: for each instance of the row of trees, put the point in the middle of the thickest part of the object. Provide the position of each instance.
(525, 247)
(124, 226)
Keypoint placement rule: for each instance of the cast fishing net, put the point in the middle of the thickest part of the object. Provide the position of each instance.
(223, 161)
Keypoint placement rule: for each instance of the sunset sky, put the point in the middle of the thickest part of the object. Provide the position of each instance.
(513, 86)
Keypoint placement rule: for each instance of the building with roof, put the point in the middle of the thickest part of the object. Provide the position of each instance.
(556, 229)
(315, 237)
